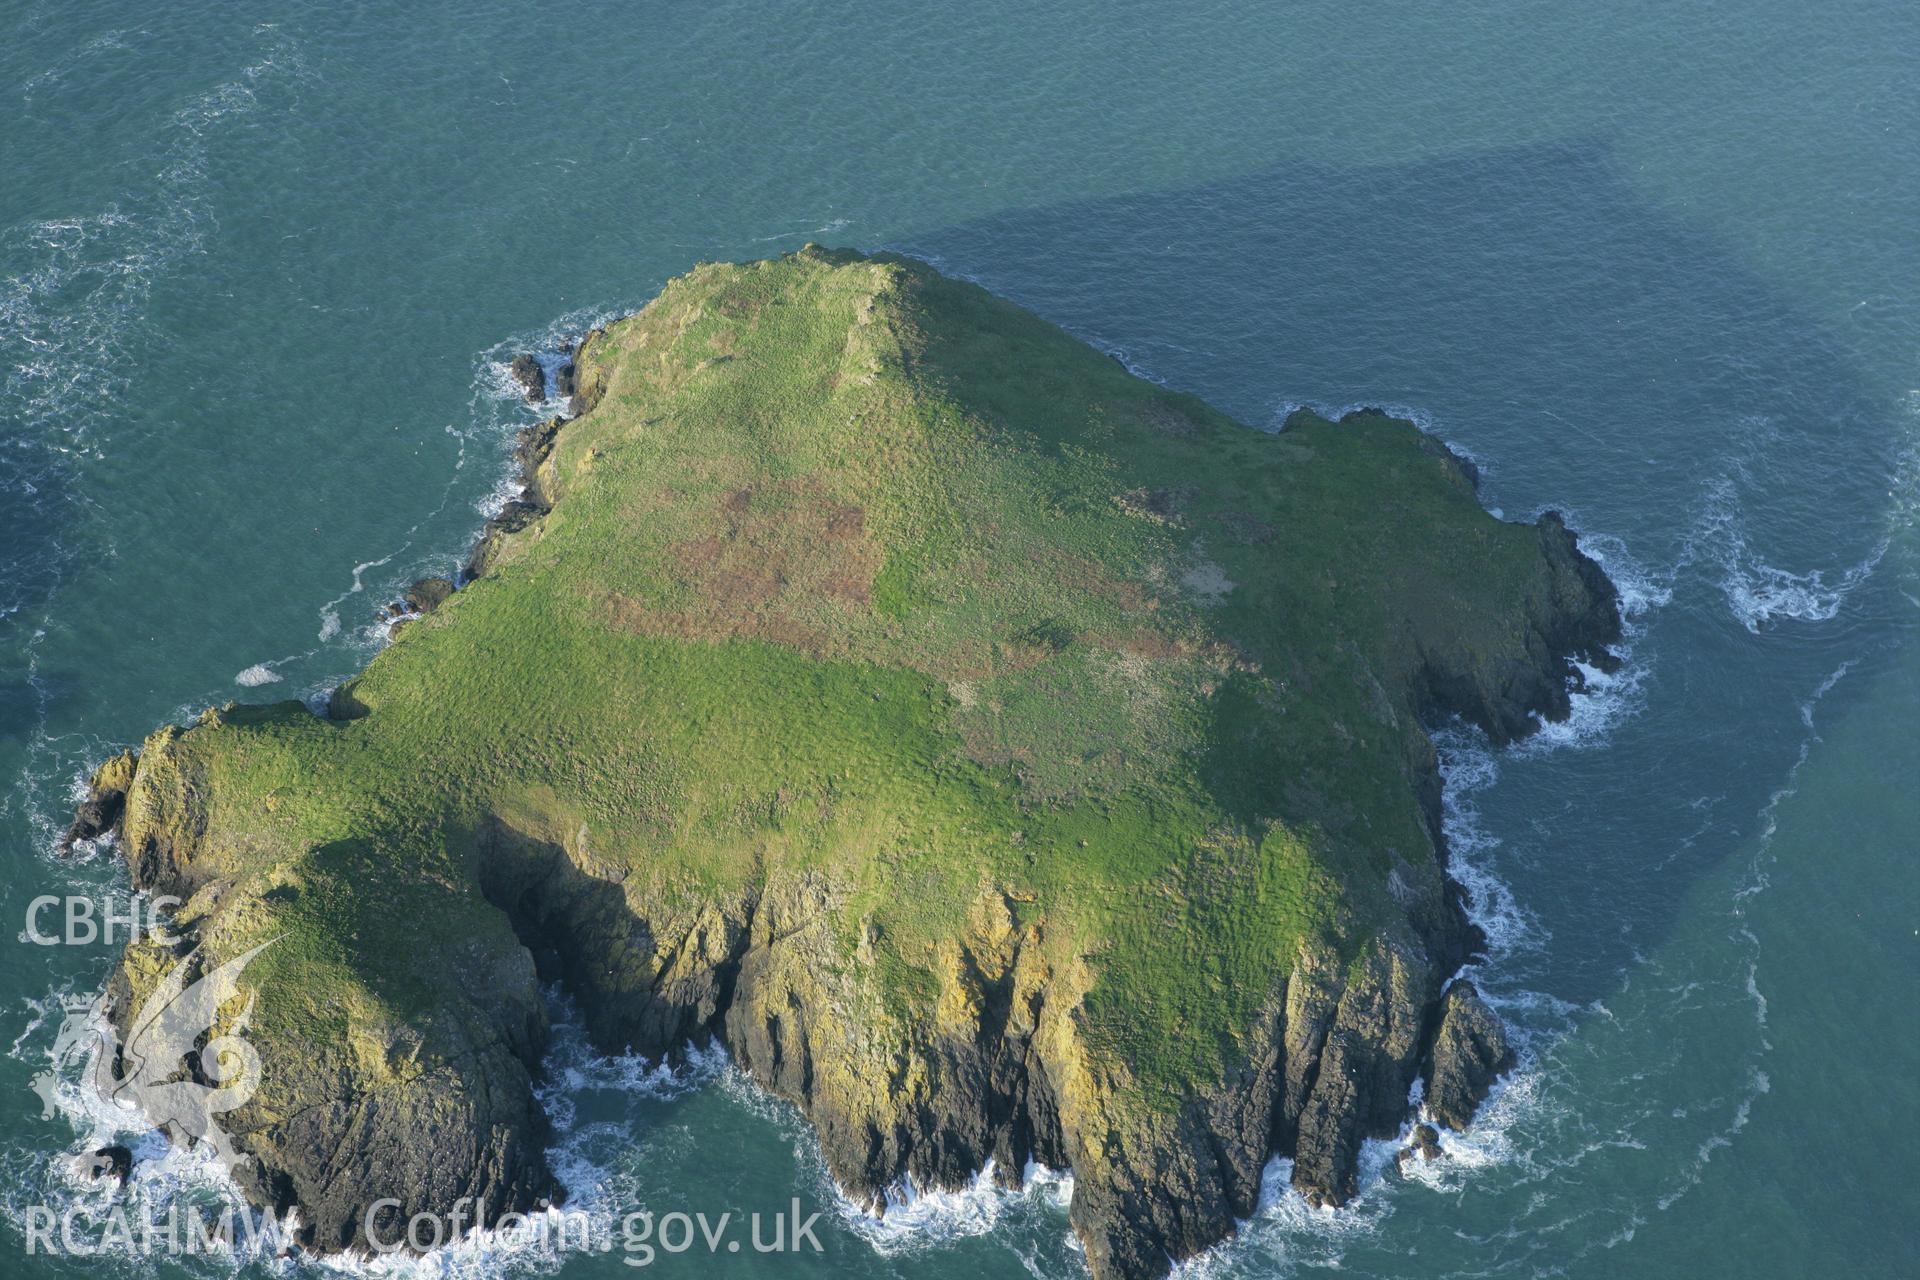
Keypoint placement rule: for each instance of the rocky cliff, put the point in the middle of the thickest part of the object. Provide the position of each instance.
(1005, 759)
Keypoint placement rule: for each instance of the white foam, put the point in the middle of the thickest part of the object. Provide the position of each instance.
(74, 314)
(831, 227)
(914, 1219)
(1757, 1084)
(1535, 1020)
(1418, 416)
(1285, 1227)
(1607, 699)
(256, 675)
(1469, 766)
(539, 1243)
(164, 1174)
(573, 1067)
(1759, 593)
(1641, 590)
(497, 409)
(1124, 357)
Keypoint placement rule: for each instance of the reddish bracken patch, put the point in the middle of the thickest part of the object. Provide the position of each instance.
(781, 561)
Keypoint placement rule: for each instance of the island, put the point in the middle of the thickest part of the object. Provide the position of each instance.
(1007, 760)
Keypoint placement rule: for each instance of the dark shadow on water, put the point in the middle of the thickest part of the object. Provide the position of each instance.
(1595, 355)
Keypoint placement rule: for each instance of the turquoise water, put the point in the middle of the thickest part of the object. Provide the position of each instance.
(1653, 264)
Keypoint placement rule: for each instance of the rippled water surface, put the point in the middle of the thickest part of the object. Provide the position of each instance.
(1651, 264)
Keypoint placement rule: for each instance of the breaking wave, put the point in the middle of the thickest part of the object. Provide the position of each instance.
(914, 1220)
(1759, 592)
(1605, 700)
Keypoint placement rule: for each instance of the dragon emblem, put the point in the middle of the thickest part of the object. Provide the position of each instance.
(161, 1068)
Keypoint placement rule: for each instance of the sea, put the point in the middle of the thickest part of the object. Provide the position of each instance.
(1653, 263)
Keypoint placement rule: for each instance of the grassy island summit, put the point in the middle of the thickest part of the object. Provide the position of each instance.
(1005, 758)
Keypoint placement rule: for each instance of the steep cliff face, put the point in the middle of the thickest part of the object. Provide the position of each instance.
(1004, 759)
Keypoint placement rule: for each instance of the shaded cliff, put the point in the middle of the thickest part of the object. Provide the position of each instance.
(1006, 759)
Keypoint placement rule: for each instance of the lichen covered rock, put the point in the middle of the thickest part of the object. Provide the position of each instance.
(1470, 1052)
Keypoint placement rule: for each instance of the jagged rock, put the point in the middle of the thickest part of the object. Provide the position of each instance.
(1365, 1069)
(1469, 1053)
(531, 445)
(526, 371)
(513, 517)
(100, 812)
(1424, 1144)
(113, 1162)
(587, 379)
(429, 594)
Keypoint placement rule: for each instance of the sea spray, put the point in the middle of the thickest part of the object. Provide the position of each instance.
(1606, 699)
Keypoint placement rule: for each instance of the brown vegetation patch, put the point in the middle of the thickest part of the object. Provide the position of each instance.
(1080, 574)
(633, 615)
(1142, 643)
(780, 561)
(739, 303)
(1157, 647)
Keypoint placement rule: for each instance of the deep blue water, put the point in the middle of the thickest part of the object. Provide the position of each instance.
(1655, 266)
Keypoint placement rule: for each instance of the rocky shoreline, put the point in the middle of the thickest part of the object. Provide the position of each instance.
(1003, 1074)
(1333, 1066)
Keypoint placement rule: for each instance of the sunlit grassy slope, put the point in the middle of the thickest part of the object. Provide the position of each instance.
(856, 567)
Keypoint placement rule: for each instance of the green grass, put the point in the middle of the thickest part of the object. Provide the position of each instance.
(857, 568)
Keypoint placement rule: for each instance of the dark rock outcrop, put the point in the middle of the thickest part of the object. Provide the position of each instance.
(429, 594)
(515, 516)
(1469, 1053)
(101, 812)
(1364, 1070)
(526, 371)
(429, 1117)
(109, 1163)
(532, 446)
(1424, 1144)
(586, 378)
